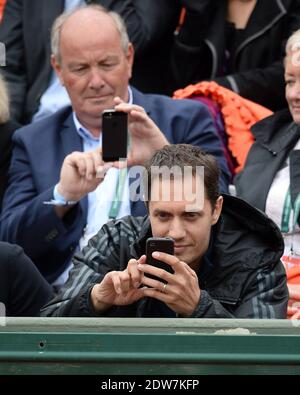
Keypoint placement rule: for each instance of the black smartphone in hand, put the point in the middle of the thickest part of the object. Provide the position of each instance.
(114, 135)
(161, 244)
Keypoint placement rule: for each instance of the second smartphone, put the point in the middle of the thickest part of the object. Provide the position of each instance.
(114, 135)
(162, 244)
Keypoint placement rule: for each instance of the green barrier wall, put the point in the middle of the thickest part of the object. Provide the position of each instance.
(148, 346)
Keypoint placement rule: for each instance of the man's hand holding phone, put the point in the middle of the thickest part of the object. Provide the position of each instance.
(80, 174)
(118, 288)
(145, 136)
(177, 286)
(172, 281)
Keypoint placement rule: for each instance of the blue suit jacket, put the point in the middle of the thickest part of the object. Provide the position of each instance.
(39, 151)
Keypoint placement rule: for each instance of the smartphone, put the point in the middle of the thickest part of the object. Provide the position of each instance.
(114, 135)
(163, 244)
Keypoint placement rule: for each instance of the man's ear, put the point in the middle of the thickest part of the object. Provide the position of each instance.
(57, 68)
(217, 210)
(130, 59)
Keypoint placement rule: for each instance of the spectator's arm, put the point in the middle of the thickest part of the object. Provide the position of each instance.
(90, 265)
(26, 220)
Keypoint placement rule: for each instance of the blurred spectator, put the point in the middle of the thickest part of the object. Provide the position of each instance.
(25, 31)
(271, 177)
(7, 128)
(237, 43)
(23, 291)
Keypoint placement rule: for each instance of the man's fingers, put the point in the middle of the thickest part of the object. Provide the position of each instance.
(89, 164)
(118, 100)
(97, 157)
(125, 282)
(80, 163)
(171, 260)
(154, 271)
(121, 282)
(128, 108)
(116, 282)
(103, 169)
(135, 274)
(90, 168)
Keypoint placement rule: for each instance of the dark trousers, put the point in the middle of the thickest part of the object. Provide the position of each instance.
(23, 290)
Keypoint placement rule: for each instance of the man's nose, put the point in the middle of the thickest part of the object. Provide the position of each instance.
(177, 230)
(96, 79)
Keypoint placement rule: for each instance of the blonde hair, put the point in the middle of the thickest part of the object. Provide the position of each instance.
(4, 101)
(59, 22)
(293, 42)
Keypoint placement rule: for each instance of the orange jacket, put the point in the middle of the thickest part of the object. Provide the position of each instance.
(239, 115)
(2, 5)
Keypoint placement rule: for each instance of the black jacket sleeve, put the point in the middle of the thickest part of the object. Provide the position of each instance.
(265, 295)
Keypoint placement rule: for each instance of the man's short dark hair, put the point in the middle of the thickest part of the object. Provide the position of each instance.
(181, 156)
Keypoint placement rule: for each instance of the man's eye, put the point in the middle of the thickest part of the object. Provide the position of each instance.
(79, 70)
(191, 216)
(163, 216)
(108, 65)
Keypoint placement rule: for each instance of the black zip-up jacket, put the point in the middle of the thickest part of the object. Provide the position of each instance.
(275, 137)
(257, 74)
(246, 278)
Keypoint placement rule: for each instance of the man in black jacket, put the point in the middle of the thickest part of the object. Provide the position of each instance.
(226, 262)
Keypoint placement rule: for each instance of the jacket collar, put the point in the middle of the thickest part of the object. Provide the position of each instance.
(74, 143)
(295, 176)
(139, 98)
(265, 14)
(277, 132)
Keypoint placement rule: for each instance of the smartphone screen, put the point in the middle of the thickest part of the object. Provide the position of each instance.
(114, 135)
(162, 244)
